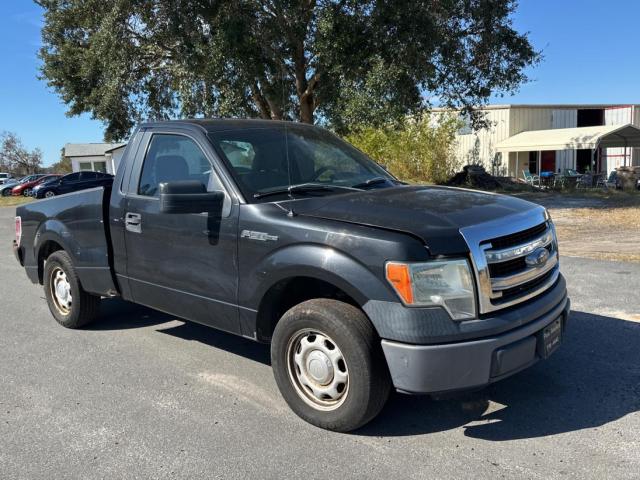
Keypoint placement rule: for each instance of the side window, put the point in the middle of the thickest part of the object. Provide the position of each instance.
(73, 177)
(171, 158)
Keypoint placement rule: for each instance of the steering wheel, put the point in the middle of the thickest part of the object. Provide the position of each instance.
(321, 170)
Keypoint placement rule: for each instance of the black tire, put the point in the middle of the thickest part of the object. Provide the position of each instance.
(26, 192)
(82, 307)
(6, 192)
(348, 327)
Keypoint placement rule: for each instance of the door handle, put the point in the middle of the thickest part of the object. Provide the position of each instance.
(133, 222)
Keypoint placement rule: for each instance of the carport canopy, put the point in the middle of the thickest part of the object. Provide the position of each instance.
(605, 136)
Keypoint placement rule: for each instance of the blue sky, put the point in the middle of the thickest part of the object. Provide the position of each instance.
(589, 46)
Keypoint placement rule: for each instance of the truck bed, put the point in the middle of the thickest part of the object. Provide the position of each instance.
(76, 222)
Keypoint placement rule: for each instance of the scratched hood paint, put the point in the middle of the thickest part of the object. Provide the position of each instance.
(434, 214)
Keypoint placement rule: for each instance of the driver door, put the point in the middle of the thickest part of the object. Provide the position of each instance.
(183, 264)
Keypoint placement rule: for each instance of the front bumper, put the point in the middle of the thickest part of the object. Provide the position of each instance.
(472, 363)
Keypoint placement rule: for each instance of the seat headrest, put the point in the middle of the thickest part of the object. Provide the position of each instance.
(171, 167)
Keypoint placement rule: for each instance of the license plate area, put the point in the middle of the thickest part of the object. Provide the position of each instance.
(550, 338)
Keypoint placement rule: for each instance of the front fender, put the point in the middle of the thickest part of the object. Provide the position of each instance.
(315, 261)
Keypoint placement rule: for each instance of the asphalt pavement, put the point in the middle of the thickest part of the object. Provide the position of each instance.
(144, 395)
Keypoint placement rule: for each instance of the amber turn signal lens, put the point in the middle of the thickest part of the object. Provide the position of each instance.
(398, 275)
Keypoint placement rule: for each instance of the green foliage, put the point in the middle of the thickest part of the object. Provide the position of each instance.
(16, 158)
(421, 151)
(338, 62)
(62, 166)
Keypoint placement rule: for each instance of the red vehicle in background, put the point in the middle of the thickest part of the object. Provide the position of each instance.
(27, 187)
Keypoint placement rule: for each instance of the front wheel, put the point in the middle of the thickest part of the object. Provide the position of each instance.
(70, 305)
(26, 192)
(6, 192)
(49, 194)
(329, 366)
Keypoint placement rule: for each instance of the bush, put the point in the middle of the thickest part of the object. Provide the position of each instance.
(421, 151)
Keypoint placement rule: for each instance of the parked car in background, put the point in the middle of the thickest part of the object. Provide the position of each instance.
(4, 177)
(5, 189)
(72, 183)
(26, 188)
(8, 185)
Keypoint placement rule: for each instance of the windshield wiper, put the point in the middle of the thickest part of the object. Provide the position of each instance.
(371, 181)
(301, 188)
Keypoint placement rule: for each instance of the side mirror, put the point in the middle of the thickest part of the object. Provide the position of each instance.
(189, 196)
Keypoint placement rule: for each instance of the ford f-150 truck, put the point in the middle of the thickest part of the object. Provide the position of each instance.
(285, 234)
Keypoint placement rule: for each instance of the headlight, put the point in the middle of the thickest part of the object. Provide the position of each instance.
(442, 283)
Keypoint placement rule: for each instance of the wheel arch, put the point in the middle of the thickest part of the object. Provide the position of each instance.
(291, 291)
(305, 272)
(49, 239)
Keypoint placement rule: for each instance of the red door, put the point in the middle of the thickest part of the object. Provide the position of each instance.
(548, 161)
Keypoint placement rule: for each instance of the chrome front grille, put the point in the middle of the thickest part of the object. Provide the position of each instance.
(515, 258)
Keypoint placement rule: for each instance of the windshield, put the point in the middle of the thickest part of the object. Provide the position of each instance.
(266, 160)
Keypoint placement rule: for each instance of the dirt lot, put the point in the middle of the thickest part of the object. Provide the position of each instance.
(596, 225)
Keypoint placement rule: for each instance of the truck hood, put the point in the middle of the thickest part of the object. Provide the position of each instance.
(433, 214)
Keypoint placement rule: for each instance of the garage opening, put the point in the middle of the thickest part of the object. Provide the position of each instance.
(548, 161)
(590, 117)
(583, 160)
(533, 162)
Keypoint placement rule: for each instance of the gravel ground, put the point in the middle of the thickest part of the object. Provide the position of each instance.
(600, 225)
(144, 395)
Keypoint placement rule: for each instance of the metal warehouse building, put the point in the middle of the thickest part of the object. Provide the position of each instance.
(597, 138)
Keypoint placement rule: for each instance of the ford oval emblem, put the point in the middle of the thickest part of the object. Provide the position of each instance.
(537, 258)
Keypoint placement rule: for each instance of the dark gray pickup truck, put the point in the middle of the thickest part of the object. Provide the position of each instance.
(283, 233)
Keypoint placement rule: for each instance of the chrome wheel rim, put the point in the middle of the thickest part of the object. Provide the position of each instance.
(317, 369)
(61, 291)
(49, 194)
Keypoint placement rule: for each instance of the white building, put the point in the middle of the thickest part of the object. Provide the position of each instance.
(552, 138)
(98, 157)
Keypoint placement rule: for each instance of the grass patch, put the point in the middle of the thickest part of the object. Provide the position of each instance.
(603, 232)
(581, 199)
(13, 201)
(609, 218)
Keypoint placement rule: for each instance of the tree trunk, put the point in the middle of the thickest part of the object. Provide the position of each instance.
(260, 102)
(306, 108)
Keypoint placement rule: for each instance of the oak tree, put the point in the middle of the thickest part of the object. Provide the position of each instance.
(337, 62)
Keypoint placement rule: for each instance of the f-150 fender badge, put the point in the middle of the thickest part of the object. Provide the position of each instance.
(261, 236)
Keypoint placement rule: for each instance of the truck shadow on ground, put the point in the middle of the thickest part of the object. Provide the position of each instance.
(592, 380)
(117, 314)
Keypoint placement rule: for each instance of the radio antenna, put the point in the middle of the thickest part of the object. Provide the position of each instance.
(291, 213)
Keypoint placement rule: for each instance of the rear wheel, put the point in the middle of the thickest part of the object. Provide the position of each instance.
(328, 364)
(70, 305)
(49, 194)
(26, 192)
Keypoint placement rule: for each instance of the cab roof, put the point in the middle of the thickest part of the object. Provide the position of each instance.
(224, 124)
